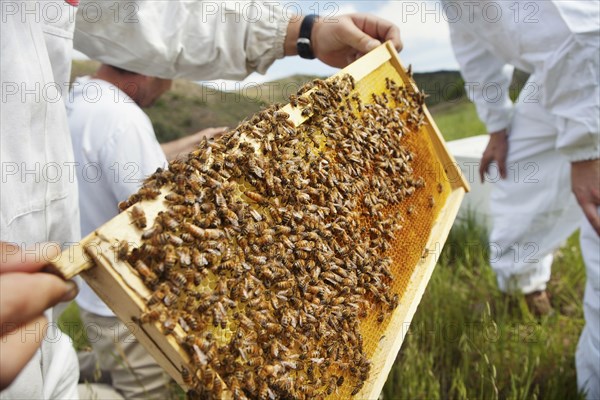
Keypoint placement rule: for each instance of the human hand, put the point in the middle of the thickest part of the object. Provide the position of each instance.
(189, 143)
(25, 293)
(338, 42)
(496, 150)
(585, 183)
(209, 133)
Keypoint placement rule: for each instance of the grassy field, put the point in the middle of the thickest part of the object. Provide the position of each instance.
(467, 340)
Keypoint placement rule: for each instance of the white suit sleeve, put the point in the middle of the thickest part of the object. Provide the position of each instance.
(196, 40)
(487, 79)
(571, 77)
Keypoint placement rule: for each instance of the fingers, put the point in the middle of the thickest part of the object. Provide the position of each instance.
(355, 37)
(484, 164)
(591, 213)
(585, 179)
(496, 150)
(378, 28)
(501, 161)
(213, 133)
(25, 296)
(17, 347)
(15, 259)
(393, 34)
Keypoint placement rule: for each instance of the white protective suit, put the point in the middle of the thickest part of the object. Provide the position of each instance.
(38, 200)
(554, 122)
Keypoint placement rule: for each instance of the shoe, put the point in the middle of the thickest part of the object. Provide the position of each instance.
(538, 303)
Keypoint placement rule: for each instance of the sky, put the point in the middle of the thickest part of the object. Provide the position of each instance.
(423, 29)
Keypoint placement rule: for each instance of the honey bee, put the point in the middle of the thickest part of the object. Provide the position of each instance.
(151, 232)
(281, 115)
(265, 392)
(175, 240)
(191, 321)
(199, 356)
(211, 218)
(145, 272)
(218, 388)
(148, 192)
(183, 324)
(194, 230)
(157, 296)
(175, 198)
(331, 386)
(236, 389)
(186, 376)
(265, 239)
(150, 316)
(170, 256)
(124, 205)
(357, 389)
(431, 201)
(122, 250)
(138, 217)
(178, 279)
(199, 259)
(170, 299)
(258, 198)
(185, 258)
(160, 239)
(293, 100)
(169, 222)
(213, 234)
(307, 111)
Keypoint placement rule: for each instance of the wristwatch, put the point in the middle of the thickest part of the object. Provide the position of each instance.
(303, 44)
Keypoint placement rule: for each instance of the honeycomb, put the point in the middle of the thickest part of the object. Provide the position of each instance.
(219, 281)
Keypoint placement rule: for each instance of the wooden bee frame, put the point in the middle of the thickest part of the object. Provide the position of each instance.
(125, 293)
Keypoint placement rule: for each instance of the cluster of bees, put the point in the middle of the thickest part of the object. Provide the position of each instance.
(272, 247)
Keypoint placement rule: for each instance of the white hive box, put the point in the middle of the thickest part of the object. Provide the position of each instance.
(467, 153)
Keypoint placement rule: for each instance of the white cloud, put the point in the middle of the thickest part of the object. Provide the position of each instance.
(424, 33)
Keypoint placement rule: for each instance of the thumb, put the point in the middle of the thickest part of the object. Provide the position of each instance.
(357, 39)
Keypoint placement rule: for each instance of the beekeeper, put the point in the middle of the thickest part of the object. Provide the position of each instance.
(193, 40)
(541, 149)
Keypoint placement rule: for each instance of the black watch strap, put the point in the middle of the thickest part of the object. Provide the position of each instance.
(303, 44)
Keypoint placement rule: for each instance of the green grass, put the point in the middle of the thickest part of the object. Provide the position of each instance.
(469, 341)
(457, 120)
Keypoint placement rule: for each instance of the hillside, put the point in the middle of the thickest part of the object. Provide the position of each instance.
(190, 107)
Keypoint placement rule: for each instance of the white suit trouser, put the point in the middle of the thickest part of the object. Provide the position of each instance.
(587, 357)
(533, 209)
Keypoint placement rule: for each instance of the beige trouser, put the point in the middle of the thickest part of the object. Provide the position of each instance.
(121, 361)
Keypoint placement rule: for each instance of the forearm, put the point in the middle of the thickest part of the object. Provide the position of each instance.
(176, 39)
(291, 36)
(187, 144)
(176, 147)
